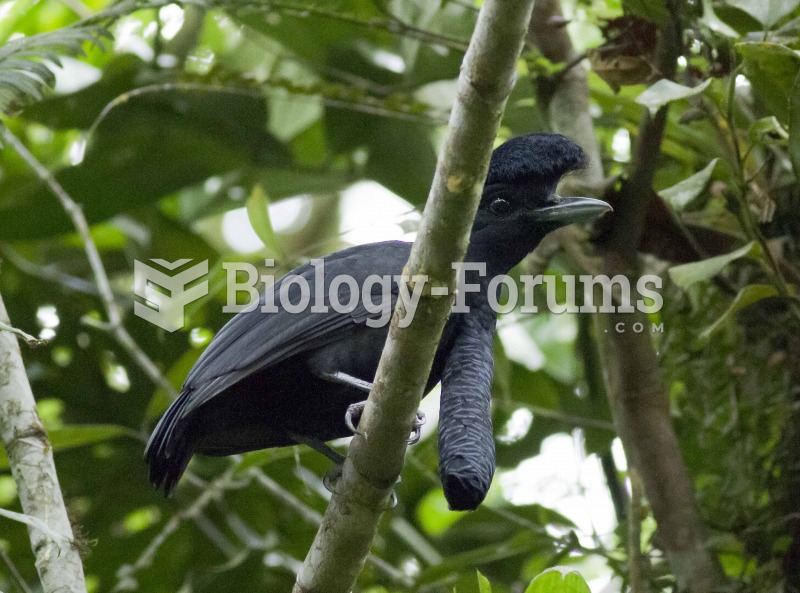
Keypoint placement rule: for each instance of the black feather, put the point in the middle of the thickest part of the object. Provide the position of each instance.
(538, 158)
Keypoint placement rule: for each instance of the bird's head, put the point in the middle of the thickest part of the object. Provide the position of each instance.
(519, 205)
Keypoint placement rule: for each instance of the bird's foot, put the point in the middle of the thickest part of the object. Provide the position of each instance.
(353, 416)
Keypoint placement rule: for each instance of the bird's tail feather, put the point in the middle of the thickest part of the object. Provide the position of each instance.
(168, 452)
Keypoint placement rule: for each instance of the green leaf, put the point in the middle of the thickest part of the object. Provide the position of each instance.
(747, 296)
(468, 583)
(772, 69)
(483, 583)
(666, 91)
(794, 128)
(187, 137)
(766, 12)
(395, 147)
(26, 63)
(290, 115)
(683, 193)
(559, 579)
(687, 274)
(713, 22)
(77, 435)
(766, 130)
(258, 213)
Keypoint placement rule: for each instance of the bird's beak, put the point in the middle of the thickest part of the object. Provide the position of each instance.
(571, 210)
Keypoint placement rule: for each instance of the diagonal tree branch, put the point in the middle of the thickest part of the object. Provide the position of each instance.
(377, 453)
(75, 212)
(636, 390)
(31, 459)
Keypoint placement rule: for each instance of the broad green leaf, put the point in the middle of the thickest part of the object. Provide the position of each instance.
(145, 148)
(680, 195)
(713, 22)
(794, 128)
(772, 69)
(747, 296)
(687, 274)
(258, 213)
(666, 91)
(77, 435)
(766, 12)
(395, 148)
(559, 579)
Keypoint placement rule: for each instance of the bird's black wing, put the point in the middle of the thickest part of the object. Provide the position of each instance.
(466, 441)
(254, 340)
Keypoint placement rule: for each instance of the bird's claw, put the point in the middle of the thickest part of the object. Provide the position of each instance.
(353, 416)
(416, 428)
(330, 477)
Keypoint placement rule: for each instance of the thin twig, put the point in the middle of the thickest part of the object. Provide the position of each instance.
(391, 24)
(49, 273)
(75, 212)
(293, 9)
(396, 24)
(370, 105)
(315, 518)
(14, 571)
(214, 490)
(569, 419)
(29, 339)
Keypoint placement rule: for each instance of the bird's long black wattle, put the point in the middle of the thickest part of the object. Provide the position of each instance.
(466, 442)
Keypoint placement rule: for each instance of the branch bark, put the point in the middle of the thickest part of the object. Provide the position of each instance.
(27, 447)
(637, 394)
(377, 453)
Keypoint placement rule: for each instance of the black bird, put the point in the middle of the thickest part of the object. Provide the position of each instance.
(279, 379)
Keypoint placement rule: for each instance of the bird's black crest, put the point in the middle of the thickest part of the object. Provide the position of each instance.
(542, 158)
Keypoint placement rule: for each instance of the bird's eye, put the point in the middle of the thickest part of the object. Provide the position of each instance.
(499, 206)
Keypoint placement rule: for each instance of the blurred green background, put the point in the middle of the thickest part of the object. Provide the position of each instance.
(330, 115)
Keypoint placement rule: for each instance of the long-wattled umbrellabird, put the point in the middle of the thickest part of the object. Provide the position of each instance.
(280, 378)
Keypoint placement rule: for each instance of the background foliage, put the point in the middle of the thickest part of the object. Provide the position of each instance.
(188, 113)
